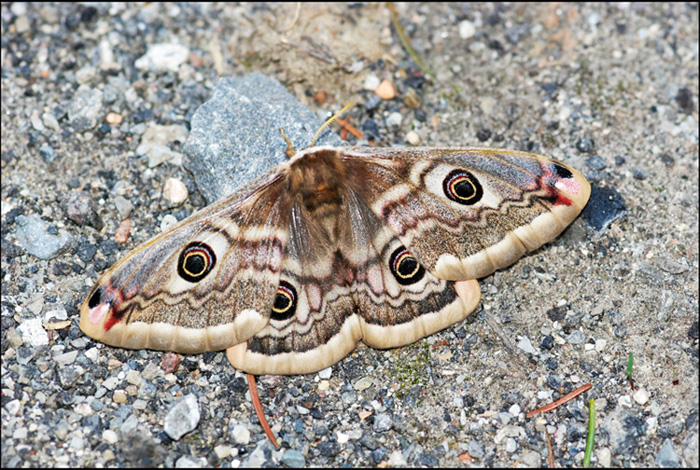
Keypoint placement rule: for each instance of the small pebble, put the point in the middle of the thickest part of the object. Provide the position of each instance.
(167, 221)
(394, 120)
(119, 396)
(363, 384)
(386, 90)
(413, 138)
(326, 373)
(382, 423)
(163, 57)
(175, 191)
(371, 83)
(123, 231)
(114, 118)
(412, 99)
(124, 206)
(110, 437)
(466, 29)
(222, 451)
(639, 173)
(641, 396)
(293, 458)
(240, 434)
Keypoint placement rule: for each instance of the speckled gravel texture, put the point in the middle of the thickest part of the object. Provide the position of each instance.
(97, 104)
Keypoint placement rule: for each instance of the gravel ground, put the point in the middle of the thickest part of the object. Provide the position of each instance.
(97, 101)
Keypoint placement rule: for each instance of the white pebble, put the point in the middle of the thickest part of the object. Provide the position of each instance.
(110, 437)
(371, 82)
(413, 138)
(466, 29)
(325, 373)
(167, 221)
(394, 120)
(641, 396)
(175, 191)
(241, 435)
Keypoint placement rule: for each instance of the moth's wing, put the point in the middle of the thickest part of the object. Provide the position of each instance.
(467, 212)
(203, 285)
(347, 291)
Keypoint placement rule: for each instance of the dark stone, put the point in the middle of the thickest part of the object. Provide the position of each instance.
(547, 342)
(483, 134)
(604, 206)
(639, 173)
(585, 145)
(596, 163)
(684, 99)
(667, 159)
(556, 313)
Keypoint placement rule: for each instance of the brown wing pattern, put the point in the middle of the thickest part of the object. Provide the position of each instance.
(203, 285)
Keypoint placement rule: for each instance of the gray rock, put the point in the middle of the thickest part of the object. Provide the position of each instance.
(237, 132)
(85, 108)
(690, 449)
(293, 458)
(182, 418)
(33, 333)
(525, 344)
(124, 206)
(257, 458)
(667, 456)
(576, 337)
(70, 375)
(382, 423)
(34, 235)
(48, 154)
(475, 449)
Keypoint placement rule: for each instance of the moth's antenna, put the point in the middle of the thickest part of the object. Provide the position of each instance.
(290, 152)
(336, 116)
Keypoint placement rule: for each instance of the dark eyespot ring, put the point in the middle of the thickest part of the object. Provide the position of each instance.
(405, 268)
(196, 261)
(462, 187)
(562, 172)
(285, 304)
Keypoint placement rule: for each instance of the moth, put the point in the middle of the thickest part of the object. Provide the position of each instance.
(334, 246)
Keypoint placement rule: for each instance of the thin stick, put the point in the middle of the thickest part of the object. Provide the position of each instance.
(345, 124)
(591, 434)
(561, 401)
(630, 364)
(405, 41)
(550, 451)
(259, 411)
(294, 21)
(507, 342)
